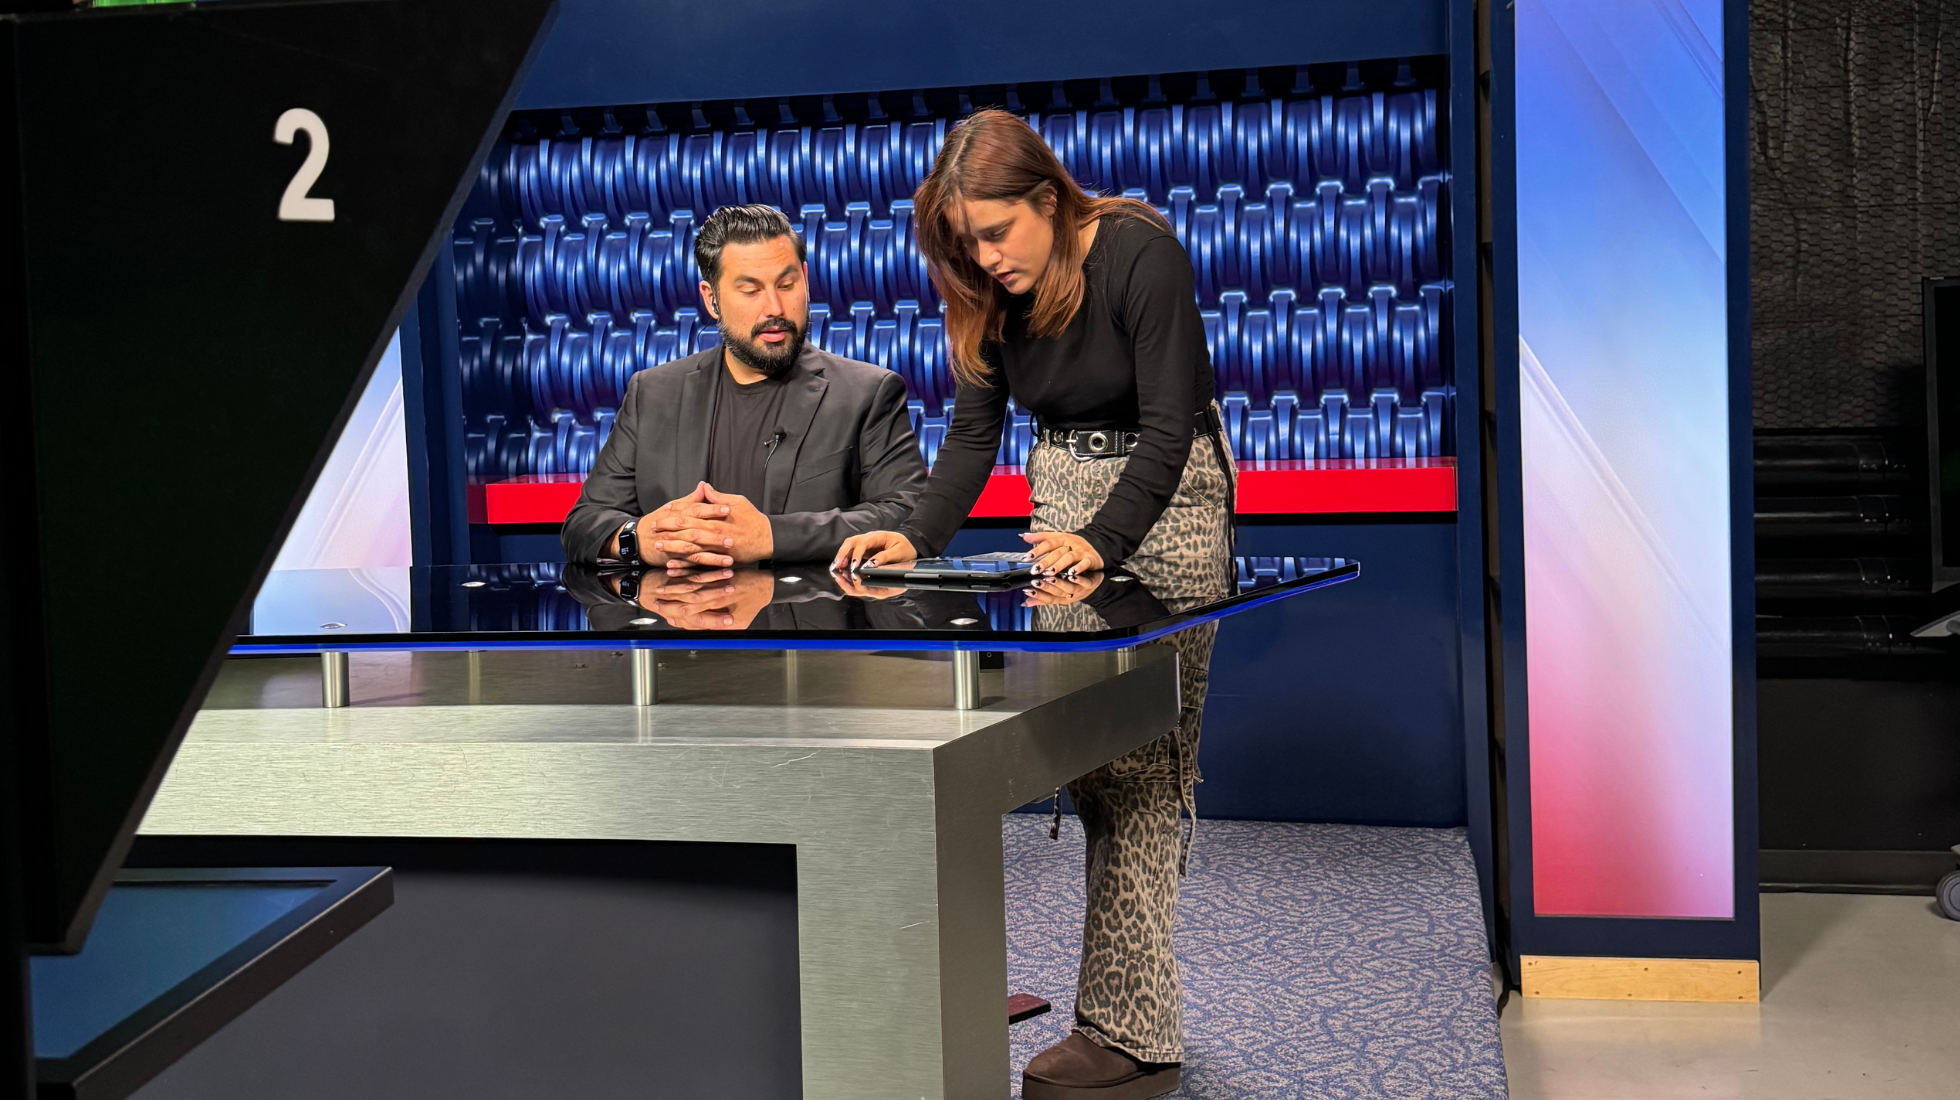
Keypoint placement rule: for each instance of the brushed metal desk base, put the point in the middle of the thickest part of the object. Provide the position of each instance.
(646, 670)
(895, 812)
(966, 679)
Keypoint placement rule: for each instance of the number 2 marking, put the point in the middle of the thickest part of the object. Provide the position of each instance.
(296, 205)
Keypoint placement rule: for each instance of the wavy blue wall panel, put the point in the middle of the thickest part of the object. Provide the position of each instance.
(1316, 226)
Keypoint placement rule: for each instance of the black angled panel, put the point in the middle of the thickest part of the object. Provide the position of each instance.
(192, 356)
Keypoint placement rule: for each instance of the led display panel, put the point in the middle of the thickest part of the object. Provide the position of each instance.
(1624, 414)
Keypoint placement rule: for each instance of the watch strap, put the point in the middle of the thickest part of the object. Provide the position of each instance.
(629, 543)
(629, 586)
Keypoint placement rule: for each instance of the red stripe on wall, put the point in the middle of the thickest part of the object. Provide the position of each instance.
(536, 498)
(1347, 486)
(1295, 487)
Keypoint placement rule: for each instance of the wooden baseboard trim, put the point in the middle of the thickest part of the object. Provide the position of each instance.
(1716, 981)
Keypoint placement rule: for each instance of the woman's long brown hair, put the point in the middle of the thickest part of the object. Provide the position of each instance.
(994, 156)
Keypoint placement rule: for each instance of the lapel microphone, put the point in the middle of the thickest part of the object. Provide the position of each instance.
(770, 446)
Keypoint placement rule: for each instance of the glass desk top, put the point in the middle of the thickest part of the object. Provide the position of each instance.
(803, 606)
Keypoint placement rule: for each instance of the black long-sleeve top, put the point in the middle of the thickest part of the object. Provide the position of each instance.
(1133, 358)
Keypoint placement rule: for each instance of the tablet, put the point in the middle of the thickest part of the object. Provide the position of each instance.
(991, 570)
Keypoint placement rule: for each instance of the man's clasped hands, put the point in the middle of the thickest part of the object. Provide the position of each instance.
(705, 527)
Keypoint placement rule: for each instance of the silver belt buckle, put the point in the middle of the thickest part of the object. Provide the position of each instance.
(1101, 443)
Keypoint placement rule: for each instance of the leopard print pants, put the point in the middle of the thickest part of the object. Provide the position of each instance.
(1127, 991)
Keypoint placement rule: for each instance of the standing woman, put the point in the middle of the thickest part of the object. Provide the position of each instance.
(1082, 310)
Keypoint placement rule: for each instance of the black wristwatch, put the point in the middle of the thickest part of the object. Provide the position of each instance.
(629, 587)
(629, 543)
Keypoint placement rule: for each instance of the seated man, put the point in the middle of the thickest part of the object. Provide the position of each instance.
(761, 448)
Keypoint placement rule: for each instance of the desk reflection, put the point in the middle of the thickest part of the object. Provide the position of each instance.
(813, 598)
(551, 604)
(800, 598)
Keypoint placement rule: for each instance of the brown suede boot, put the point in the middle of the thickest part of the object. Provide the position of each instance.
(1078, 1069)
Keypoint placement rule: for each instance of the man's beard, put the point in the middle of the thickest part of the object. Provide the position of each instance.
(773, 361)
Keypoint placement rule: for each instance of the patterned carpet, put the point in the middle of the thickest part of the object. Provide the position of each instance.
(1320, 961)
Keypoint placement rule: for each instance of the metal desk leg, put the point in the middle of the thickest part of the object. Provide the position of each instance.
(644, 689)
(335, 690)
(966, 679)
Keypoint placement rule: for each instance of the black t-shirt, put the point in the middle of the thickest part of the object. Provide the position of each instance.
(1134, 357)
(739, 444)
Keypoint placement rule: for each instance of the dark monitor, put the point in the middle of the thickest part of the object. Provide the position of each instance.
(177, 954)
(1942, 312)
(174, 391)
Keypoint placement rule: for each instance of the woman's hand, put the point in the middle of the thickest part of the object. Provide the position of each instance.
(1060, 591)
(1055, 552)
(874, 548)
(852, 585)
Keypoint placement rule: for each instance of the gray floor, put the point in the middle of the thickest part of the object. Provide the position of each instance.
(1320, 962)
(1861, 999)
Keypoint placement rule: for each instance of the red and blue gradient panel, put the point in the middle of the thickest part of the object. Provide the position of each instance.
(1623, 323)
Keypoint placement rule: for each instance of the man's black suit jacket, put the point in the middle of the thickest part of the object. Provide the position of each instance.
(848, 461)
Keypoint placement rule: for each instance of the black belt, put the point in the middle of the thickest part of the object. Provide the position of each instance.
(1087, 443)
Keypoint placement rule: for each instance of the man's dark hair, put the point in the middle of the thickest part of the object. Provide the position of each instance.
(739, 225)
